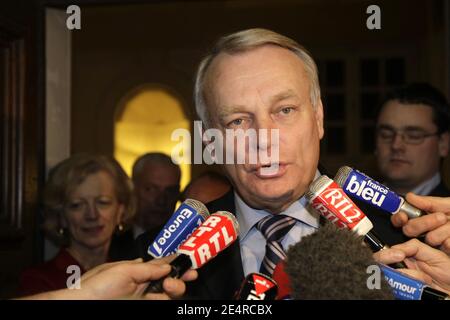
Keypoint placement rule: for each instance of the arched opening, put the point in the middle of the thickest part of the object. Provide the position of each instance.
(144, 123)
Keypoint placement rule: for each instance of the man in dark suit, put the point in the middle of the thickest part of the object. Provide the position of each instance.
(412, 140)
(252, 80)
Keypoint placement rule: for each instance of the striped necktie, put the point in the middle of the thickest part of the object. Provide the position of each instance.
(274, 228)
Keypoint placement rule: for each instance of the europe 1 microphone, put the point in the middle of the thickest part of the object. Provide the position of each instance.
(188, 216)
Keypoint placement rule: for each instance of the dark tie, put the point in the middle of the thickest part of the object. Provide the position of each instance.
(274, 228)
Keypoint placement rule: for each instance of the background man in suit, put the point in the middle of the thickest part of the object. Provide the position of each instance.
(412, 139)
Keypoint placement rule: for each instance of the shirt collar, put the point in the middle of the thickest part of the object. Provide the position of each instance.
(247, 217)
(427, 186)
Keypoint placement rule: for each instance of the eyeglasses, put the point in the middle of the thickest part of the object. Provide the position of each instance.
(409, 136)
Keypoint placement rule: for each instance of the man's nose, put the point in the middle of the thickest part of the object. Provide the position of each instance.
(264, 127)
(398, 143)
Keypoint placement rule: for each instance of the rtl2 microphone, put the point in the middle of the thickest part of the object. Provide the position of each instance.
(364, 188)
(405, 287)
(215, 234)
(189, 215)
(257, 286)
(331, 202)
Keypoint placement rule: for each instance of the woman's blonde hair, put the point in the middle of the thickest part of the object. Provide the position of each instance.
(69, 174)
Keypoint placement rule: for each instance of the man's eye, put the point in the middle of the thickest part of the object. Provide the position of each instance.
(286, 110)
(415, 135)
(236, 122)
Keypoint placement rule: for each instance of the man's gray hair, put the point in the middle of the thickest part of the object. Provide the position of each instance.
(152, 157)
(244, 41)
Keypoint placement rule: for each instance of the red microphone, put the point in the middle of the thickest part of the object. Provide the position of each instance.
(282, 279)
(327, 197)
(215, 234)
(257, 286)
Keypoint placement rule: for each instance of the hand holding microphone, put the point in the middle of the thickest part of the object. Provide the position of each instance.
(427, 264)
(215, 234)
(435, 225)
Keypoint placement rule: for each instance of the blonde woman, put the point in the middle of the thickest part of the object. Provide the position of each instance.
(87, 198)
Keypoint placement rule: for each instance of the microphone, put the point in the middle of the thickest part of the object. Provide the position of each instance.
(366, 189)
(331, 202)
(332, 264)
(189, 215)
(257, 286)
(405, 287)
(282, 279)
(215, 234)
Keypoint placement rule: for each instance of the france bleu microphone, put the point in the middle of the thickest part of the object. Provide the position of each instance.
(405, 287)
(218, 231)
(189, 215)
(362, 187)
(257, 286)
(330, 201)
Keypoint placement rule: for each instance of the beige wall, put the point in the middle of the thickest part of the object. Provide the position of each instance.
(122, 47)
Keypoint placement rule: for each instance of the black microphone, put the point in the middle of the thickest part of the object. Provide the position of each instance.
(332, 264)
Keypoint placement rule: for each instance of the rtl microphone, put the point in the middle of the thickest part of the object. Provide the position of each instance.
(364, 188)
(189, 215)
(215, 234)
(332, 264)
(257, 286)
(331, 202)
(405, 287)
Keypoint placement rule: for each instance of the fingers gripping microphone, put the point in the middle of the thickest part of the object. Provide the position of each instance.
(331, 202)
(189, 215)
(215, 234)
(364, 188)
(331, 264)
(257, 286)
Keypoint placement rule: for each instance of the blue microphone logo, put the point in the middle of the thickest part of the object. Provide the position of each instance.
(370, 191)
(179, 227)
(403, 287)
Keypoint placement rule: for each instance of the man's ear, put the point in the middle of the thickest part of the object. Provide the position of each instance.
(319, 118)
(444, 144)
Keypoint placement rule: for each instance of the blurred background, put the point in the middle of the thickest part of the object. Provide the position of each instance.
(124, 81)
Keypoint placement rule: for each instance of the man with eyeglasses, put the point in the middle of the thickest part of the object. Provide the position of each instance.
(412, 140)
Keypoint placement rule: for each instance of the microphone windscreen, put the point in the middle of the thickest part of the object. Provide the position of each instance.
(332, 264)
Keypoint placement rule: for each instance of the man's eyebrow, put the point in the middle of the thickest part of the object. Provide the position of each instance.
(284, 95)
(229, 110)
(407, 128)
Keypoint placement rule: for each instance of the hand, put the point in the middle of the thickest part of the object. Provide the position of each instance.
(436, 224)
(125, 280)
(427, 264)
